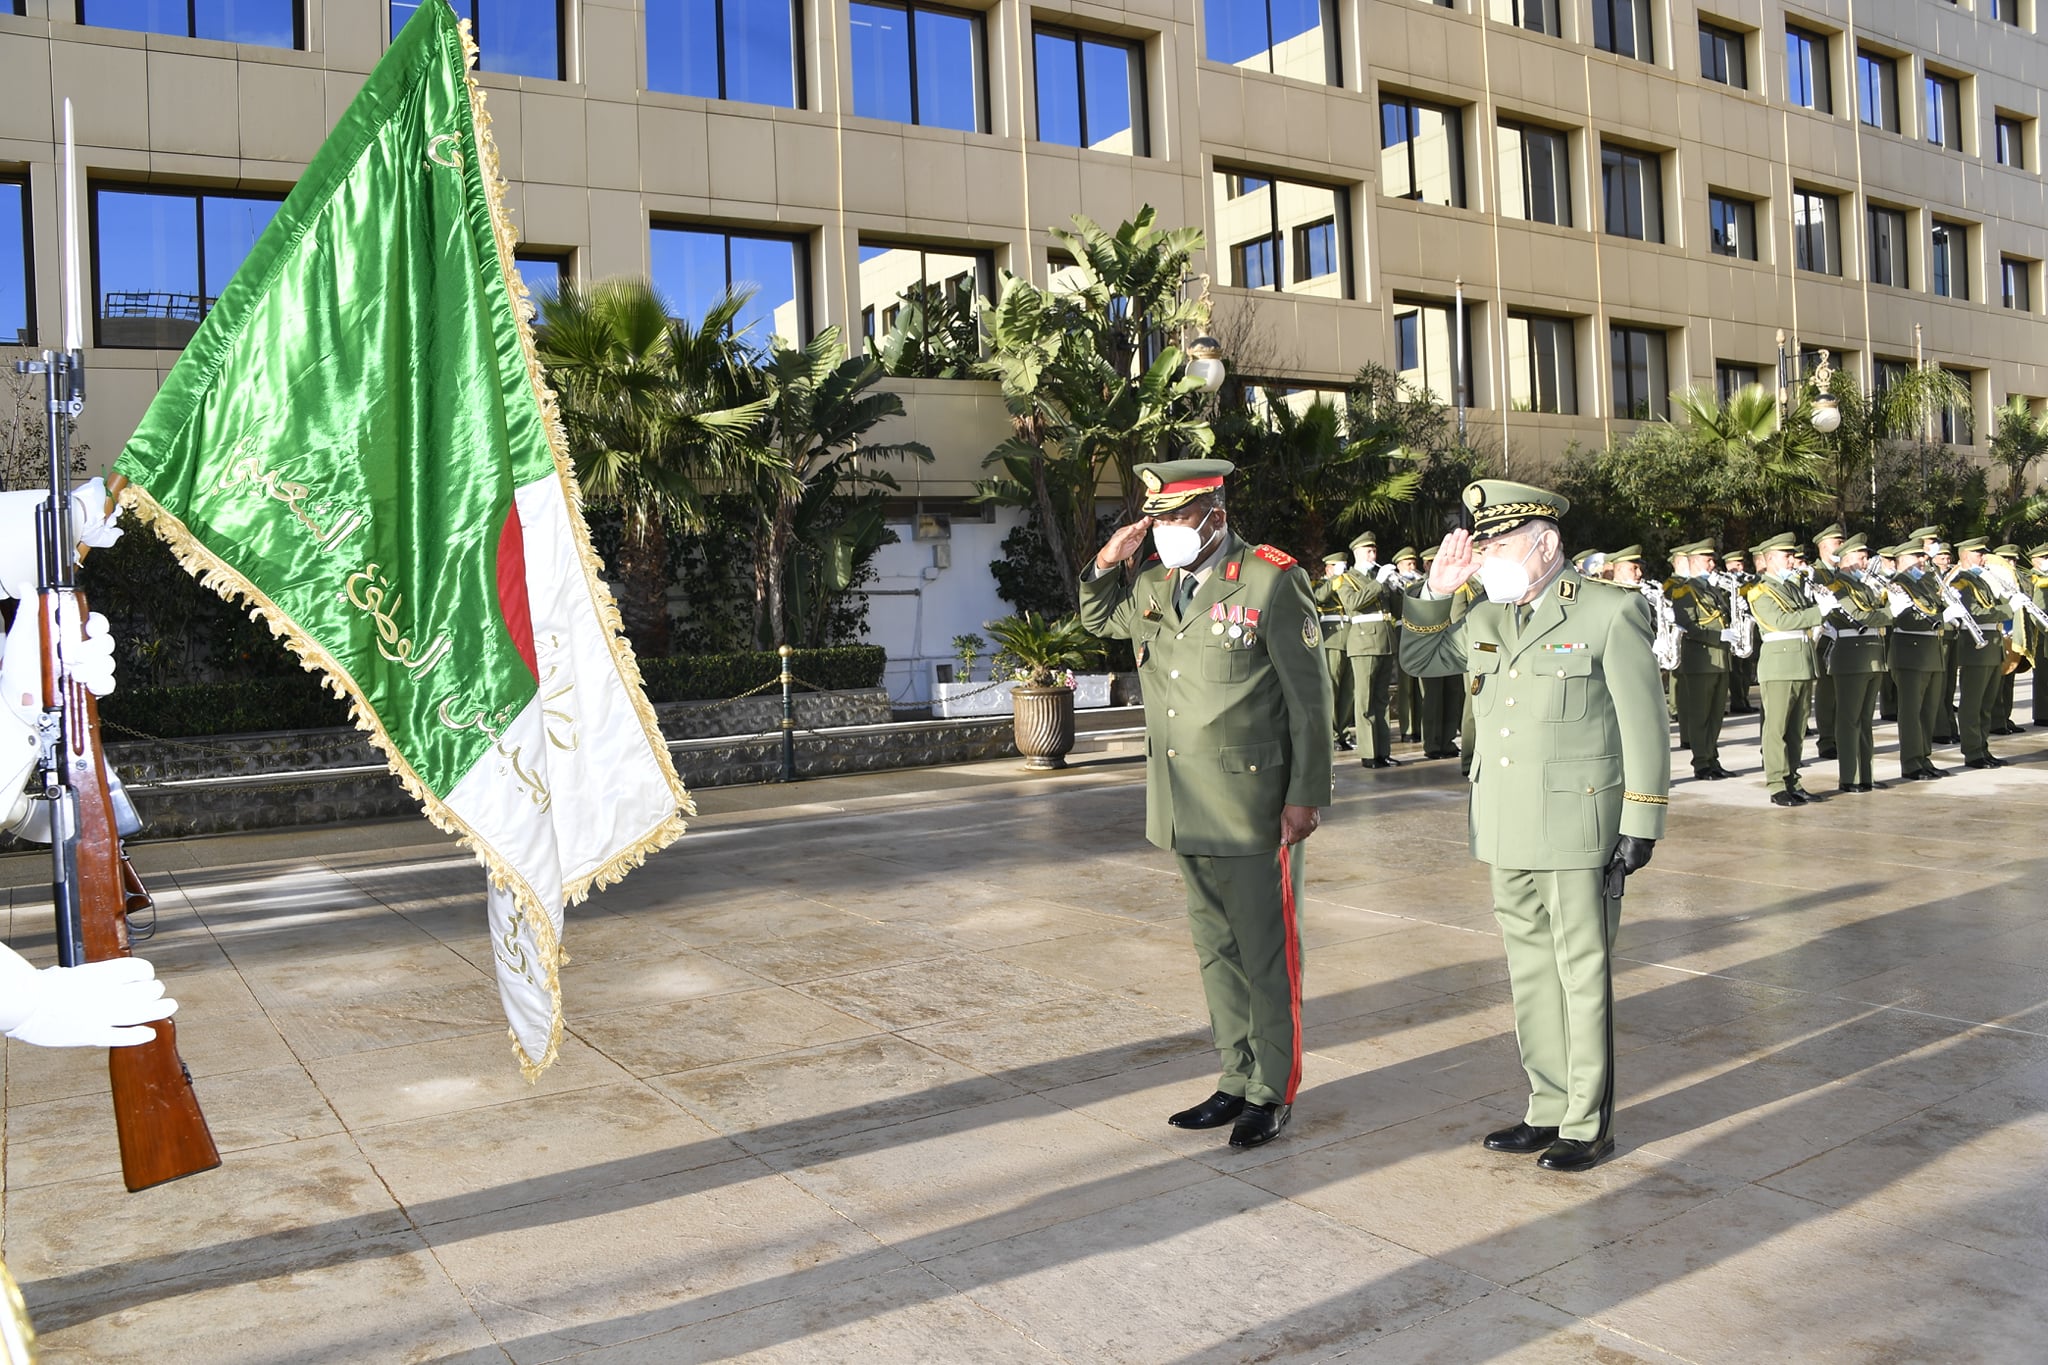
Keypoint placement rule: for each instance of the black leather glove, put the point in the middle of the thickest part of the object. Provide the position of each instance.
(1630, 855)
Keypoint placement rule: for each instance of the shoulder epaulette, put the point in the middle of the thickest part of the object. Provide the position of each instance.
(1279, 559)
(1610, 583)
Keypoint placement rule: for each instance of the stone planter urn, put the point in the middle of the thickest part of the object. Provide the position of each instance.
(1044, 725)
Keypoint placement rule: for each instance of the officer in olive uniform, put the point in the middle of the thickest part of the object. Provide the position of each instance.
(1914, 659)
(1827, 548)
(1443, 698)
(1704, 618)
(1978, 667)
(1365, 597)
(1625, 566)
(1945, 724)
(1741, 668)
(1237, 765)
(1569, 787)
(1787, 608)
(1856, 632)
(1336, 634)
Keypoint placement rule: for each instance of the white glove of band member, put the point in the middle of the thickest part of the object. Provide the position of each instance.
(1731, 636)
(1901, 603)
(101, 1004)
(1826, 600)
(1386, 573)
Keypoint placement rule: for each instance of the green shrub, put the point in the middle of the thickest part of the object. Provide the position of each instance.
(185, 710)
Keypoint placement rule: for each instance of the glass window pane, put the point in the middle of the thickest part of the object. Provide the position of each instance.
(542, 275)
(688, 269)
(232, 227)
(14, 274)
(682, 47)
(1423, 349)
(143, 16)
(768, 266)
(881, 61)
(146, 268)
(1299, 46)
(1234, 31)
(1059, 99)
(948, 71)
(520, 37)
(269, 23)
(760, 52)
(1106, 67)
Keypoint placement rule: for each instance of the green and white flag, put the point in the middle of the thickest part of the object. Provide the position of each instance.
(359, 444)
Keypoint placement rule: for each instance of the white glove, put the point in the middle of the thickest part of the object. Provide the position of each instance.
(1901, 604)
(1386, 573)
(102, 1004)
(88, 653)
(91, 520)
(1826, 600)
(1731, 636)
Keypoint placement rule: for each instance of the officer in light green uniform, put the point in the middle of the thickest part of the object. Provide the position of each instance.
(1237, 765)
(1827, 548)
(1336, 635)
(1569, 787)
(1443, 701)
(1856, 631)
(1704, 617)
(1366, 598)
(1978, 667)
(1786, 613)
(1914, 658)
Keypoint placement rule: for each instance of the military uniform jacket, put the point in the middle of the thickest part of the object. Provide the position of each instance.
(1235, 726)
(1573, 745)
(1336, 633)
(1915, 645)
(1858, 629)
(1988, 609)
(1702, 613)
(1364, 595)
(1783, 609)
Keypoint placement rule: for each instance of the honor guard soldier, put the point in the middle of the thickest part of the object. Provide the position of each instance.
(1787, 609)
(1366, 596)
(1237, 765)
(1855, 631)
(1978, 666)
(1827, 548)
(1569, 787)
(1705, 620)
(1914, 659)
(1336, 634)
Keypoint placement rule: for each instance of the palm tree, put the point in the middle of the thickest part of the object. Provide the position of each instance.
(656, 410)
(819, 407)
(2021, 439)
(1773, 467)
(1901, 411)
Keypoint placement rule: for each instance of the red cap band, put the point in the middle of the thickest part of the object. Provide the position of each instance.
(1192, 485)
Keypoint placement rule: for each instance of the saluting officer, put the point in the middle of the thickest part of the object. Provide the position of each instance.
(1786, 611)
(1336, 635)
(1365, 596)
(1569, 789)
(1237, 765)
(1700, 681)
(1856, 630)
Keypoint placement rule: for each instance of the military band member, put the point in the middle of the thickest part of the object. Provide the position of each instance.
(1237, 765)
(1407, 689)
(1914, 659)
(1948, 727)
(1741, 668)
(1625, 566)
(1443, 706)
(1827, 547)
(1365, 596)
(1978, 667)
(1569, 789)
(1705, 618)
(1856, 631)
(1336, 634)
(2003, 723)
(2039, 592)
(1786, 613)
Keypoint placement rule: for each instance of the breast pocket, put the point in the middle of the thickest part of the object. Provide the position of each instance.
(1226, 665)
(1570, 684)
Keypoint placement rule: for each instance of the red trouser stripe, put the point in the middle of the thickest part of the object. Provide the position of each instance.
(1293, 970)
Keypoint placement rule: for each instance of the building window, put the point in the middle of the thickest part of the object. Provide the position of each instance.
(2015, 280)
(17, 270)
(1806, 70)
(930, 301)
(1535, 174)
(2011, 141)
(1296, 38)
(1723, 56)
(1816, 238)
(262, 23)
(1091, 91)
(1732, 377)
(1284, 234)
(1542, 364)
(1422, 152)
(516, 37)
(1538, 16)
(1945, 112)
(2004, 11)
(1642, 389)
(695, 266)
(1632, 186)
(746, 50)
(542, 272)
(1959, 423)
(1948, 260)
(1887, 232)
(1425, 357)
(919, 64)
(1885, 372)
(1623, 28)
(1732, 227)
(1877, 90)
(162, 256)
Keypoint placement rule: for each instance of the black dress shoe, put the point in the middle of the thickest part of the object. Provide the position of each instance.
(1787, 799)
(1924, 775)
(1213, 1112)
(1576, 1154)
(1826, 754)
(1874, 786)
(1260, 1124)
(1937, 772)
(2010, 730)
(1987, 761)
(1849, 788)
(1522, 1139)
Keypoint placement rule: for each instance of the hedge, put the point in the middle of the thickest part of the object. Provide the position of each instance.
(298, 702)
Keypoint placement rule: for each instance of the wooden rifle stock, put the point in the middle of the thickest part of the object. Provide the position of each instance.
(163, 1133)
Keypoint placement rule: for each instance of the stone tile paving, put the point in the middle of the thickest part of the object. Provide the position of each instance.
(875, 1068)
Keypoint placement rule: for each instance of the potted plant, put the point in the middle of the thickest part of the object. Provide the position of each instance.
(968, 648)
(1043, 655)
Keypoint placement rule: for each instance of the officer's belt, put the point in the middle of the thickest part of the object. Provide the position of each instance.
(1770, 635)
(1922, 634)
(1852, 632)
(1366, 619)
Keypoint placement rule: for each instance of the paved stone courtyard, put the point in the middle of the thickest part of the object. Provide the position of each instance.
(875, 1069)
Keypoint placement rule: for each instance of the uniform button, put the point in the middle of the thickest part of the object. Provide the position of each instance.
(1511, 701)
(1254, 767)
(1171, 714)
(1503, 732)
(1182, 636)
(1589, 791)
(1503, 763)
(1174, 674)
(1172, 754)
(1560, 673)
(1514, 673)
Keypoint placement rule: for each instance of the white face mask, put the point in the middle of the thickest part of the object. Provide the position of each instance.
(1179, 546)
(1506, 580)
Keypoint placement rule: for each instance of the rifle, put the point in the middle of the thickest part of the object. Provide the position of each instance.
(94, 888)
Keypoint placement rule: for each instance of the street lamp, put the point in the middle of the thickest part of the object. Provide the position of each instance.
(1827, 412)
(1205, 363)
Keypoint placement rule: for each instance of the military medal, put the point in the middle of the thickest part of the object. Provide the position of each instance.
(1235, 632)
